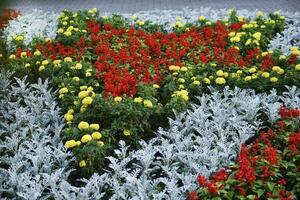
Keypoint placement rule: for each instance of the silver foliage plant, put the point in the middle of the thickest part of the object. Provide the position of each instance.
(35, 165)
(36, 23)
(33, 158)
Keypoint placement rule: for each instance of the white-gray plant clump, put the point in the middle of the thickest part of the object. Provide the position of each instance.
(33, 158)
(34, 24)
(199, 141)
(288, 38)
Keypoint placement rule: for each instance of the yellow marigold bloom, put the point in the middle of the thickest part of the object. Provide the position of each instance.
(138, 100)
(297, 67)
(96, 135)
(78, 66)
(83, 108)
(12, 56)
(184, 69)
(78, 143)
(65, 23)
(60, 30)
(220, 73)
(56, 62)
(86, 138)
(118, 99)
(206, 81)
(281, 71)
(282, 57)
(213, 64)
(248, 42)
(70, 144)
(84, 87)
(181, 86)
(148, 104)
(83, 94)
(273, 79)
(248, 78)
(88, 74)
(41, 68)
(100, 143)
(174, 68)
(235, 39)
(201, 18)
(1, 55)
(231, 34)
(68, 117)
(87, 101)
(294, 48)
(27, 65)
(19, 38)
(82, 163)
(140, 23)
(254, 76)
(239, 72)
(155, 86)
(252, 70)
(276, 68)
(257, 35)
(127, 132)
(95, 126)
(220, 81)
(68, 59)
(134, 17)
(63, 90)
(225, 74)
(23, 54)
(83, 125)
(196, 82)
(181, 80)
(265, 74)
(76, 78)
(70, 111)
(264, 54)
(179, 24)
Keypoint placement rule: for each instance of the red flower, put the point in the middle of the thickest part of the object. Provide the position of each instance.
(202, 181)
(193, 195)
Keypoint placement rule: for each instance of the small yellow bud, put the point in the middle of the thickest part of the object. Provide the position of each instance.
(273, 79)
(148, 104)
(96, 135)
(118, 99)
(127, 132)
(82, 163)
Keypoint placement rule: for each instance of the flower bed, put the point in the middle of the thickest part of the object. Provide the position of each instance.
(121, 79)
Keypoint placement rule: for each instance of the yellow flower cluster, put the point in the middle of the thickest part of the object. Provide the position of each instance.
(183, 94)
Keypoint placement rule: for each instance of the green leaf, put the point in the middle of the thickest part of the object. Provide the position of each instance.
(260, 192)
(251, 197)
(270, 186)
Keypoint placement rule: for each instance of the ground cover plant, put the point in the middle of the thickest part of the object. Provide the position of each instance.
(120, 82)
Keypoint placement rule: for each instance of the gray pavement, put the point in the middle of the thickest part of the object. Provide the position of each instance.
(132, 6)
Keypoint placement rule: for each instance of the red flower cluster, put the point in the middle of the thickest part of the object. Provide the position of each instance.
(8, 14)
(286, 114)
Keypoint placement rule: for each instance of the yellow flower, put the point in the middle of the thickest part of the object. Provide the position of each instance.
(100, 143)
(19, 38)
(254, 76)
(12, 56)
(248, 42)
(78, 143)
(201, 18)
(127, 132)
(297, 67)
(68, 59)
(56, 62)
(174, 68)
(60, 30)
(27, 65)
(235, 39)
(155, 86)
(83, 125)
(282, 57)
(220, 73)
(276, 69)
(140, 23)
(138, 100)
(88, 74)
(196, 82)
(69, 117)
(184, 69)
(206, 81)
(41, 68)
(83, 94)
(134, 17)
(67, 33)
(248, 78)
(1, 55)
(239, 72)
(148, 104)
(82, 163)
(65, 23)
(23, 54)
(273, 79)
(76, 78)
(83, 108)
(87, 100)
(213, 64)
(86, 138)
(263, 54)
(70, 144)
(257, 35)
(96, 135)
(84, 87)
(95, 126)
(220, 81)
(181, 80)
(63, 90)
(78, 66)
(265, 74)
(118, 99)
(71, 111)
(281, 71)
(252, 70)
(225, 74)
(231, 34)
